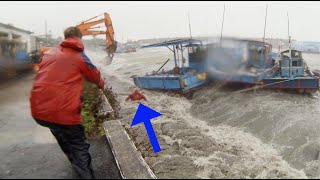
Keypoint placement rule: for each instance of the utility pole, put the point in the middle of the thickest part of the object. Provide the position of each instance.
(46, 31)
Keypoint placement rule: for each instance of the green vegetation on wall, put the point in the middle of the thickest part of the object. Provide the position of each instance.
(90, 107)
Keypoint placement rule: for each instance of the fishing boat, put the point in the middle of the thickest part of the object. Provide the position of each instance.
(253, 63)
(239, 61)
(292, 72)
(181, 79)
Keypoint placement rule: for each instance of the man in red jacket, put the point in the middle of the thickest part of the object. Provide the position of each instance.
(136, 96)
(56, 98)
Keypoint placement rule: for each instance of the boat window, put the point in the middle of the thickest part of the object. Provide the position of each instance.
(197, 54)
(295, 63)
(191, 49)
(254, 55)
(286, 55)
(294, 72)
(295, 54)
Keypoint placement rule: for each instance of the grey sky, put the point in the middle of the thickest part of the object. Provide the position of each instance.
(136, 20)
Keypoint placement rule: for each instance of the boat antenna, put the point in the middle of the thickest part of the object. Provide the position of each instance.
(262, 58)
(224, 9)
(289, 47)
(265, 24)
(189, 26)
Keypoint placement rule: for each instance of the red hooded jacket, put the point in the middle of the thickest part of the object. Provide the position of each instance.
(57, 89)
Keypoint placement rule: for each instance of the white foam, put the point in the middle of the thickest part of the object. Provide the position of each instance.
(252, 158)
(253, 154)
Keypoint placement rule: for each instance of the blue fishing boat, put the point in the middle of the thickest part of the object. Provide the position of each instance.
(292, 72)
(253, 63)
(239, 61)
(182, 78)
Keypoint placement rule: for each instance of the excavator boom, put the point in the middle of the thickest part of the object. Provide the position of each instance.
(87, 29)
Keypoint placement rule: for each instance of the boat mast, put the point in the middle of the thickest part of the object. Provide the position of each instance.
(182, 58)
(189, 26)
(289, 47)
(262, 59)
(265, 24)
(224, 9)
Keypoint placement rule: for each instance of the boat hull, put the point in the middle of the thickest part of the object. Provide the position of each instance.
(175, 83)
(296, 83)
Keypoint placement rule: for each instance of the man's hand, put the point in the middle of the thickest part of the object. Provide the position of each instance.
(101, 84)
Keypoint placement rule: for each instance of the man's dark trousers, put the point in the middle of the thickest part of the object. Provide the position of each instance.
(72, 141)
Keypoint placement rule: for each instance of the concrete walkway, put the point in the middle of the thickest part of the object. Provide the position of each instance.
(28, 150)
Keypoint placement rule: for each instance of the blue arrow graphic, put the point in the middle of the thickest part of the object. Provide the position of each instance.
(144, 115)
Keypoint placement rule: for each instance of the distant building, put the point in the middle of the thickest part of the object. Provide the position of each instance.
(13, 33)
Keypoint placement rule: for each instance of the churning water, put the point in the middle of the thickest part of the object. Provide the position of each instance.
(220, 134)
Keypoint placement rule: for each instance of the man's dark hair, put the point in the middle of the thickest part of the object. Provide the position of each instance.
(72, 31)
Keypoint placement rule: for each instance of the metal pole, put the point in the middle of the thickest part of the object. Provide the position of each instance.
(163, 65)
(264, 35)
(224, 9)
(182, 58)
(289, 47)
(265, 24)
(189, 26)
(46, 33)
(175, 57)
(178, 59)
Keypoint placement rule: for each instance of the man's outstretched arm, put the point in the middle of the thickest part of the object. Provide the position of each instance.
(129, 97)
(143, 97)
(90, 72)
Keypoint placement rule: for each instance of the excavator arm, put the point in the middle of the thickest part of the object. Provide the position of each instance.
(87, 29)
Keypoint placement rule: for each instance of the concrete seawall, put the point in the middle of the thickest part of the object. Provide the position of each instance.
(129, 160)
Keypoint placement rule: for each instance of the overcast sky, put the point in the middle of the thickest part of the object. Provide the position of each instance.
(137, 20)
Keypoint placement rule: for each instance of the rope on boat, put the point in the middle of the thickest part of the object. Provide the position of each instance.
(220, 84)
(258, 87)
